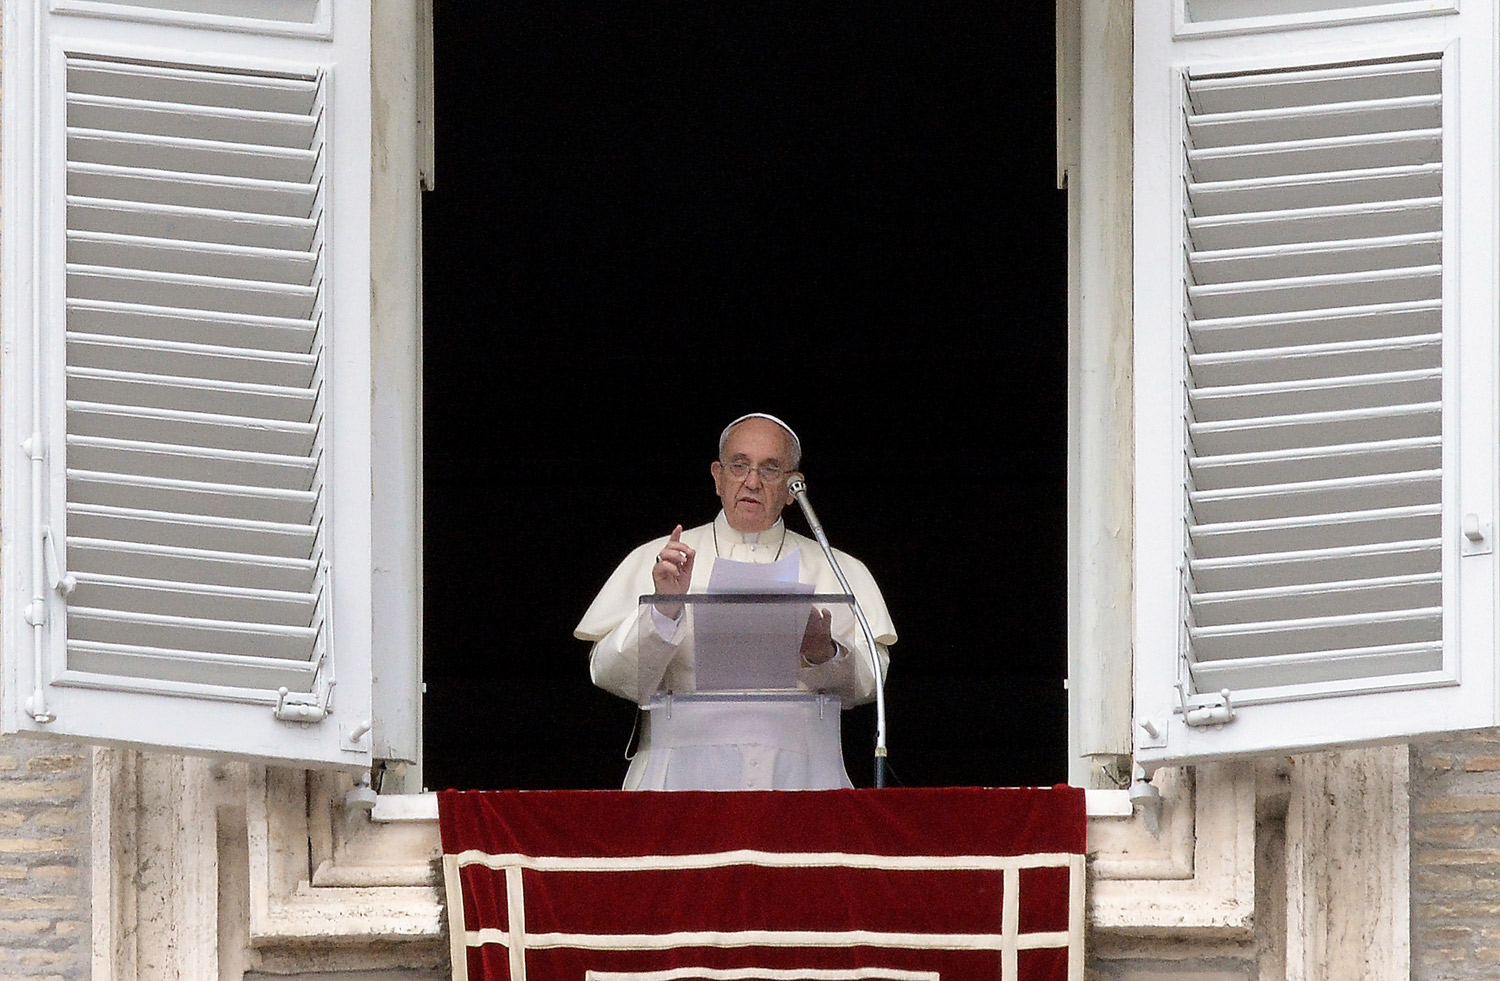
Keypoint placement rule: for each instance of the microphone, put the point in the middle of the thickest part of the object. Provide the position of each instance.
(797, 487)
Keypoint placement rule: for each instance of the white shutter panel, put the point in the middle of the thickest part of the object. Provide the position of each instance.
(201, 388)
(1307, 561)
(193, 452)
(1314, 379)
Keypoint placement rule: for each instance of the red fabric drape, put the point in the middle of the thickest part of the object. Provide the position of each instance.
(848, 884)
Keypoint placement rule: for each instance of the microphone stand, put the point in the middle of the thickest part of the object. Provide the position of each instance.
(797, 486)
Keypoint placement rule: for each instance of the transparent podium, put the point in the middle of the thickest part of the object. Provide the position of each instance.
(744, 710)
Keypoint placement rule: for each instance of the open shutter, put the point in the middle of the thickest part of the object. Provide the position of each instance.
(1314, 379)
(195, 415)
(1300, 581)
(193, 377)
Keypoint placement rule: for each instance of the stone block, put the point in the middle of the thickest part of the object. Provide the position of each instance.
(1450, 934)
(49, 903)
(58, 791)
(53, 874)
(1456, 856)
(1446, 834)
(13, 930)
(1440, 881)
(1463, 909)
(57, 819)
(1444, 955)
(35, 845)
(1469, 804)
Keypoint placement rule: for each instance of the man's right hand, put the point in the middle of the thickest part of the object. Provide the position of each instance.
(673, 572)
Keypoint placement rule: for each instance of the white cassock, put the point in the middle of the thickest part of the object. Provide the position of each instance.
(739, 749)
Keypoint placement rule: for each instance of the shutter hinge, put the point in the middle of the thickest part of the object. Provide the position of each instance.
(36, 611)
(1215, 711)
(300, 707)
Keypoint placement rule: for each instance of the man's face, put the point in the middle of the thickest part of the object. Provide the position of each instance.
(750, 503)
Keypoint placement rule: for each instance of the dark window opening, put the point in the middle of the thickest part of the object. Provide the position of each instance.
(650, 218)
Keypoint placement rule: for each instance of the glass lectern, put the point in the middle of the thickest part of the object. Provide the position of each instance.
(743, 708)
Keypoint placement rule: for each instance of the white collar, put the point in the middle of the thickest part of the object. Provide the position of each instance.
(727, 537)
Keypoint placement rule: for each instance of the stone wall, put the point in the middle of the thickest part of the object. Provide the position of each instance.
(1330, 876)
(44, 860)
(1455, 821)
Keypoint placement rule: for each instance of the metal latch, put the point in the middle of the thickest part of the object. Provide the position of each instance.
(1478, 538)
(60, 581)
(299, 707)
(1215, 712)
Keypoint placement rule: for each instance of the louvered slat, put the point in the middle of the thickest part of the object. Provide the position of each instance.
(1315, 378)
(105, 182)
(208, 260)
(193, 373)
(1316, 360)
(223, 671)
(1325, 671)
(1360, 321)
(1209, 11)
(152, 322)
(229, 124)
(175, 599)
(287, 368)
(191, 223)
(1287, 533)
(100, 454)
(285, 12)
(1404, 591)
(191, 428)
(168, 528)
(1290, 192)
(216, 158)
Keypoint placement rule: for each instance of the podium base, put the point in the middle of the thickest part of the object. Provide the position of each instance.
(725, 741)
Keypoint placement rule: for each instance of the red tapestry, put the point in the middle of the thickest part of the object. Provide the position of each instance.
(841, 885)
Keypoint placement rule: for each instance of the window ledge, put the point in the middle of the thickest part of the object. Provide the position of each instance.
(399, 808)
(1107, 803)
(1194, 876)
(395, 808)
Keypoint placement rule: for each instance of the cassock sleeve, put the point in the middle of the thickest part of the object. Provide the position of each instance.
(630, 659)
(850, 675)
(627, 658)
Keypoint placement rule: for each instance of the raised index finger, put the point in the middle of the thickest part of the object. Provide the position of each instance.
(677, 534)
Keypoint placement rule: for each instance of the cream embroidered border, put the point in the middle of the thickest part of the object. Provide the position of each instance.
(515, 938)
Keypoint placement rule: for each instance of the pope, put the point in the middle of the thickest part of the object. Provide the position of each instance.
(638, 657)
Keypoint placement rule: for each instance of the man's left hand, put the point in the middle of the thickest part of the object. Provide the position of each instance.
(817, 640)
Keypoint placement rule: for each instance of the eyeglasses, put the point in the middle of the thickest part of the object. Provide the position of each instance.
(769, 475)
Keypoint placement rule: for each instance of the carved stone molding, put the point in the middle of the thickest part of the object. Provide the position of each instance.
(208, 869)
(1348, 866)
(1195, 877)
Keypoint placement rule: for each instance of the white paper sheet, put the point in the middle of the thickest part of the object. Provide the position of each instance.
(751, 646)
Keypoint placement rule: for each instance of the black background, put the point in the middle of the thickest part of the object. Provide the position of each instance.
(651, 217)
